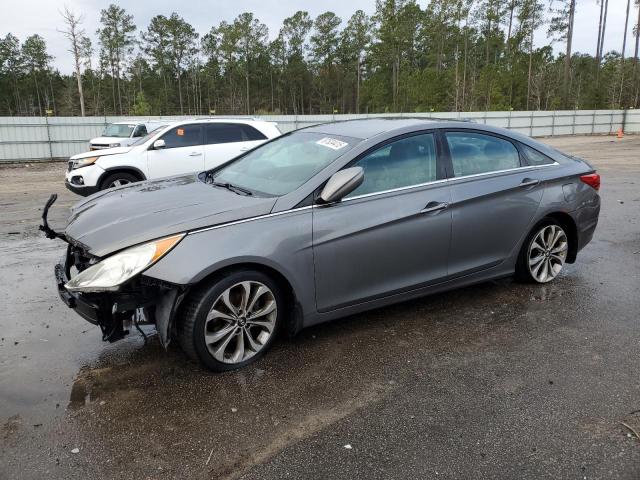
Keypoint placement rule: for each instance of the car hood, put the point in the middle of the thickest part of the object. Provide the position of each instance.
(118, 218)
(102, 152)
(108, 140)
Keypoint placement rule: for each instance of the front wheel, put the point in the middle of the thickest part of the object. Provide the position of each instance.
(543, 254)
(117, 180)
(231, 322)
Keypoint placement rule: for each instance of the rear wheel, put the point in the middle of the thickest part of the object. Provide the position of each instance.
(117, 180)
(544, 253)
(231, 322)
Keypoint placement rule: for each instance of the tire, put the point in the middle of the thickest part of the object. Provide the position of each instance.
(203, 330)
(543, 253)
(117, 180)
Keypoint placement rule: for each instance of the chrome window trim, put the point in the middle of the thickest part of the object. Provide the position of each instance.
(517, 169)
(245, 220)
(393, 190)
(446, 180)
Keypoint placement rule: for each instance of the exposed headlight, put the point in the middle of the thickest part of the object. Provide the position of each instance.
(83, 162)
(114, 144)
(113, 271)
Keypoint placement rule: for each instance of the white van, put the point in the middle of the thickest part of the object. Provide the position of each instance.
(171, 149)
(122, 134)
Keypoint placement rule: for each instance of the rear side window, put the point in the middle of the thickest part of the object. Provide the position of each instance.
(534, 157)
(183, 136)
(252, 133)
(403, 163)
(231, 133)
(475, 153)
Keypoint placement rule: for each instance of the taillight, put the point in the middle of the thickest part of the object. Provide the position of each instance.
(593, 180)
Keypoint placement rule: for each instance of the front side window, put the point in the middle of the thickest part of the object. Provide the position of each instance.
(475, 153)
(183, 136)
(286, 163)
(403, 163)
(120, 130)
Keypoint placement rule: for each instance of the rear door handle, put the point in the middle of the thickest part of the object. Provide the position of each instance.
(434, 207)
(195, 154)
(245, 149)
(529, 182)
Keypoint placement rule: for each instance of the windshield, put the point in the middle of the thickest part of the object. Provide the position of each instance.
(281, 166)
(118, 130)
(153, 132)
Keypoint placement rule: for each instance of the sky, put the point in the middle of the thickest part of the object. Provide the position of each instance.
(27, 17)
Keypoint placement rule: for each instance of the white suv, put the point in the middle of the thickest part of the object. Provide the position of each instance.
(121, 134)
(181, 147)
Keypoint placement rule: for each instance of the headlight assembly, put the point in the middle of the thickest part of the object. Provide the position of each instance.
(113, 271)
(112, 145)
(83, 162)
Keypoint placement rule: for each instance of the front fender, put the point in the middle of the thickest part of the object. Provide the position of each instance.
(281, 242)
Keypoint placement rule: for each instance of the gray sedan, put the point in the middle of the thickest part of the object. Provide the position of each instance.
(321, 223)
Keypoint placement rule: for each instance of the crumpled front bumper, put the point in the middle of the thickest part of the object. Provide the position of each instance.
(73, 300)
(114, 312)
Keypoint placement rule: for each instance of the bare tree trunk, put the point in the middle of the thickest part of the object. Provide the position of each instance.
(530, 64)
(486, 41)
(635, 61)
(567, 60)
(464, 67)
(35, 81)
(247, 85)
(271, 84)
(74, 34)
(358, 85)
(604, 27)
(599, 33)
(457, 80)
(53, 95)
(118, 80)
(113, 88)
(624, 47)
(180, 91)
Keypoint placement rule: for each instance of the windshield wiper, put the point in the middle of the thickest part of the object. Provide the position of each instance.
(233, 188)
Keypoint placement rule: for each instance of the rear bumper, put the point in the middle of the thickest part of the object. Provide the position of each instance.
(586, 219)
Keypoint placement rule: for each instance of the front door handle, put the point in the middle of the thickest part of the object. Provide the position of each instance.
(195, 154)
(434, 207)
(529, 182)
(245, 149)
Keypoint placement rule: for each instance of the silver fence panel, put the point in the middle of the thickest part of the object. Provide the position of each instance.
(26, 139)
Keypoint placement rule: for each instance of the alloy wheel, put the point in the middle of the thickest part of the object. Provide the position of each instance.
(547, 253)
(240, 322)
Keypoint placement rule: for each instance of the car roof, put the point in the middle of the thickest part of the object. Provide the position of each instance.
(222, 120)
(370, 127)
(364, 129)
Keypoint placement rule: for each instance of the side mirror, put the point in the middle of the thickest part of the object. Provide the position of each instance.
(158, 144)
(341, 184)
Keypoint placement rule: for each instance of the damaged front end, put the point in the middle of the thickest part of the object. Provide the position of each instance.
(132, 300)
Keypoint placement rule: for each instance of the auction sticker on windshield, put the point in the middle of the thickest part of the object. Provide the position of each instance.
(332, 143)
